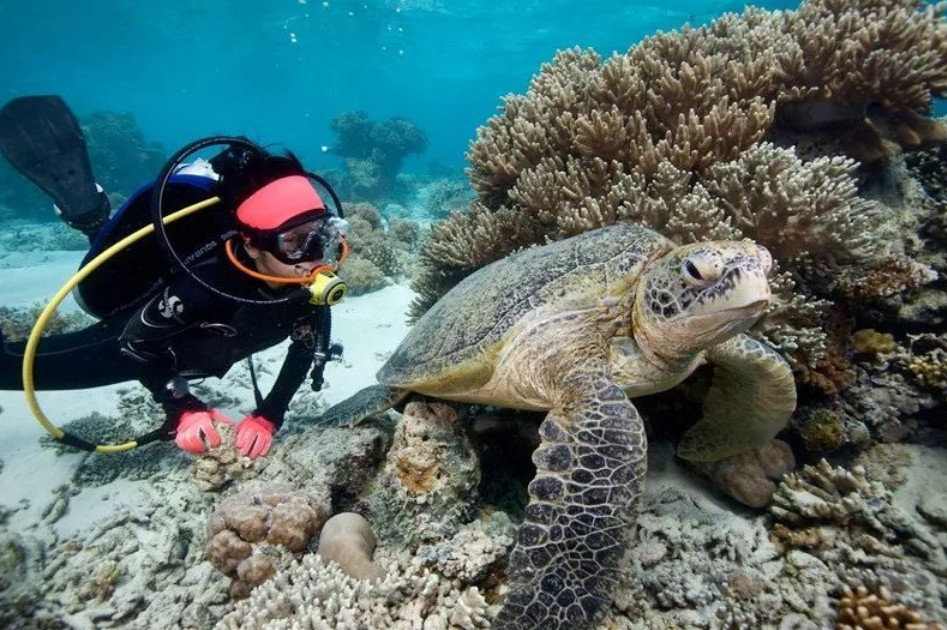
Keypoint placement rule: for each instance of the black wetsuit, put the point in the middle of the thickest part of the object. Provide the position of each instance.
(183, 330)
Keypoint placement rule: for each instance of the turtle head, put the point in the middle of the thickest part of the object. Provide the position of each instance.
(699, 295)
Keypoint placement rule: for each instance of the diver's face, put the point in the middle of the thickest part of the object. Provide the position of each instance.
(267, 264)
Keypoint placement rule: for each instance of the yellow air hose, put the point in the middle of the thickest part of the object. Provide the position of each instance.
(37, 332)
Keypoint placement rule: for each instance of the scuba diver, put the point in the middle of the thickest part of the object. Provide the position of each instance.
(236, 291)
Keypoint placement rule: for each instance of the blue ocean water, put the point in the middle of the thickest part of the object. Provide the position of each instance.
(279, 70)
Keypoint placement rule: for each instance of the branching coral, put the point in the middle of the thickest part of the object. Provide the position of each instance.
(701, 96)
(925, 359)
(844, 517)
(362, 275)
(406, 232)
(462, 243)
(377, 253)
(667, 134)
(889, 52)
(317, 594)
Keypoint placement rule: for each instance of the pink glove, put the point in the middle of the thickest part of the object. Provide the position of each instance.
(196, 426)
(255, 436)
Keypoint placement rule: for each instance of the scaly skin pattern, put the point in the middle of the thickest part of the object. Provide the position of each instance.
(752, 396)
(369, 401)
(574, 327)
(590, 475)
(453, 347)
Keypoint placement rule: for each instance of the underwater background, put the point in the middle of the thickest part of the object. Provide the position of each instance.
(279, 71)
(458, 133)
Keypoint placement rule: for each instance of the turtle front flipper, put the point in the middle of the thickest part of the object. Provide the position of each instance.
(366, 402)
(752, 398)
(590, 473)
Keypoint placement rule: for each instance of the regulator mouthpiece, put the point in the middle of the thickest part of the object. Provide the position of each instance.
(327, 289)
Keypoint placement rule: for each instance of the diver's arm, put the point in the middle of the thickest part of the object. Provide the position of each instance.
(291, 376)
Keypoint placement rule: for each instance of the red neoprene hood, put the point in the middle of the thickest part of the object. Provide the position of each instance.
(278, 202)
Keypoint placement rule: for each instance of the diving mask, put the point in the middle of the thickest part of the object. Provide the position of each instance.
(310, 240)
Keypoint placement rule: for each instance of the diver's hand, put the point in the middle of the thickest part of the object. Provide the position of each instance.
(196, 426)
(255, 436)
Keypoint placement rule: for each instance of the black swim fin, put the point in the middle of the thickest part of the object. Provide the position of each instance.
(42, 139)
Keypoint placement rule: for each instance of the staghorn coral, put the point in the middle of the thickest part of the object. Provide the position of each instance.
(317, 594)
(842, 517)
(252, 533)
(347, 540)
(428, 486)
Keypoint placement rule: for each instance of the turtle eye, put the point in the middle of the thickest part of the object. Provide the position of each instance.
(699, 271)
(692, 270)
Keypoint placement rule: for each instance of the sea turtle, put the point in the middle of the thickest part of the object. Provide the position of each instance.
(576, 328)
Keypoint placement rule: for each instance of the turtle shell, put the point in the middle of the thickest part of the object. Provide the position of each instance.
(457, 340)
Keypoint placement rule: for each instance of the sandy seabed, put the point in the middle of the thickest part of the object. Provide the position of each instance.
(370, 327)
